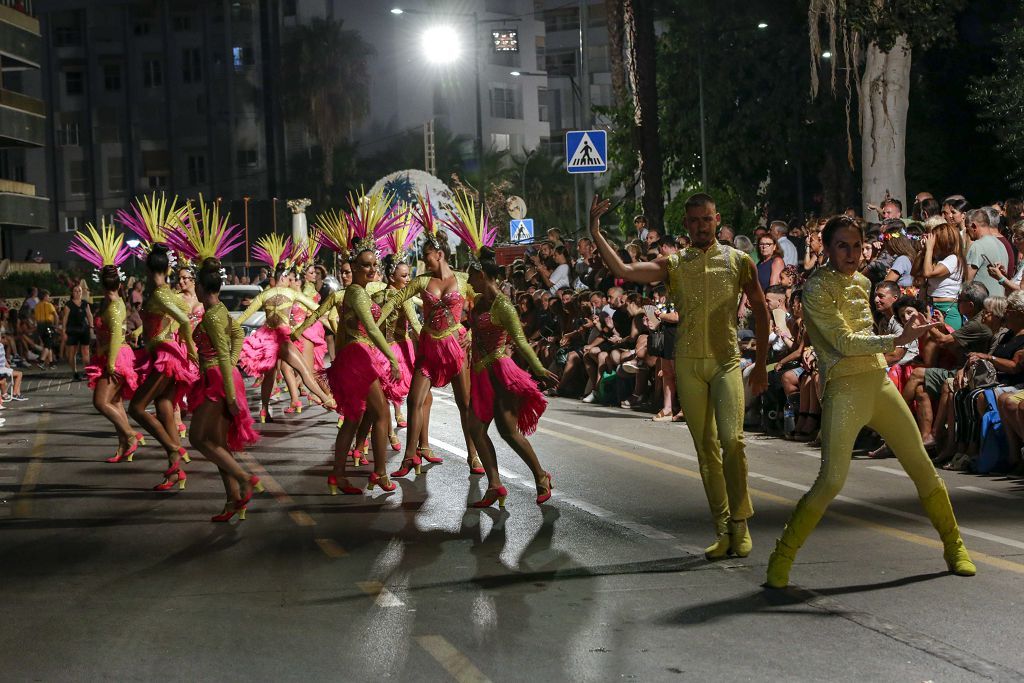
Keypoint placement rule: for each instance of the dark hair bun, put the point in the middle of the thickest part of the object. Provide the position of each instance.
(487, 254)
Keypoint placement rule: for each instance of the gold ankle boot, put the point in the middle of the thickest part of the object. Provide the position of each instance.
(720, 548)
(740, 544)
(940, 512)
(779, 564)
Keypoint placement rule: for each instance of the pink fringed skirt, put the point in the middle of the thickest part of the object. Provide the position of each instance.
(210, 387)
(124, 367)
(397, 390)
(354, 370)
(314, 334)
(441, 359)
(261, 349)
(170, 359)
(514, 380)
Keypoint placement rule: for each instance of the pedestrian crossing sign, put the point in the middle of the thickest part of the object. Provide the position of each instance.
(521, 231)
(586, 151)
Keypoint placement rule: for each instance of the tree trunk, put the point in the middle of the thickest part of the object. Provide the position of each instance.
(639, 24)
(616, 31)
(885, 98)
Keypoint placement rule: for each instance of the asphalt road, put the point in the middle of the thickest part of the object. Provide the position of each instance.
(103, 579)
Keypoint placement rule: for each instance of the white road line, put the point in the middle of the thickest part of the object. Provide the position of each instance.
(989, 492)
(889, 470)
(811, 454)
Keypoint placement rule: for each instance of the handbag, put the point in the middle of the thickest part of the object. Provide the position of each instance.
(980, 374)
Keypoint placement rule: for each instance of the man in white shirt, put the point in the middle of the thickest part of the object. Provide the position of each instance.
(780, 232)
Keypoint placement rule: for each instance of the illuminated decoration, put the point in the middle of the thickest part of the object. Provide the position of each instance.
(505, 40)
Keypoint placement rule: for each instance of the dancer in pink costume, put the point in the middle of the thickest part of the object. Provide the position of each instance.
(111, 373)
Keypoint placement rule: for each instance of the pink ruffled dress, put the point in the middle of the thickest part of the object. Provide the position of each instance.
(314, 334)
(396, 330)
(163, 353)
(107, 325)
(359, 363)
(226, 334)
(440, 355)
(493, 331)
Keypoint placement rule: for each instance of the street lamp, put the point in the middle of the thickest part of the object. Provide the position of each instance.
(826, 55)
(245, 204)
(762, 25)
(441, 45)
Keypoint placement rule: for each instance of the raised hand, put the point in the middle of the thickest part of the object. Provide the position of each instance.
(598, 208)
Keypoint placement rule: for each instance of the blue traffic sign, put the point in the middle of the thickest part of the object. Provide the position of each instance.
(521, 231)
(586, 151)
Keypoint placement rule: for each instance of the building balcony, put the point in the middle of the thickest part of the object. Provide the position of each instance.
(21, 208)
(20, 42)
(22, 120)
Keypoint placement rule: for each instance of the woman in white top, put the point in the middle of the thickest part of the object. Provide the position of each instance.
(941, 266)
(900, 247)
(1012, 283)
(559, 277)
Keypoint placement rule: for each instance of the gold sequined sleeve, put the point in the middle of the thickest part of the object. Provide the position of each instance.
(114, 317)
(358, 301)
(317, 312)
(306, 301)
(217, 327)
(237, 335)
(174, 306)
(504, 313)
(411, 290)
(409, 309)
(256, 305)
(823, 308)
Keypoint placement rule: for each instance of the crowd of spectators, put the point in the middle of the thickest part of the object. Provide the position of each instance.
(611, 342)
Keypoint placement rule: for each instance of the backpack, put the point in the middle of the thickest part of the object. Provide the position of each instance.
(993, 451)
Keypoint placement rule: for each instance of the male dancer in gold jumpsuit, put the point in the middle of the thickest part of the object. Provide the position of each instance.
(705, 282)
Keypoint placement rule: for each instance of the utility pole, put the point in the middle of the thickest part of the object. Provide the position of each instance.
(429, 151)
(584, 15)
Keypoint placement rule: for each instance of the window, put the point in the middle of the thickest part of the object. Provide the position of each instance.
(156, 181)
(182, 23)
(64, 36)
(115, 174)
(560, 63)
(196, 169)
(152, 73)
(540, 48)
(74, 83)
(112, 77)
(73, 222)
(67, 134)
(499, 141)
(504, 103)
(242, 56)
(543, 113)
(142, 28)
(191, 65)
(247, 158)
(76, 177)
(566, 19)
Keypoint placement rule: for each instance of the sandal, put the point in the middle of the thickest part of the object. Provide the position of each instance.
(662, 416)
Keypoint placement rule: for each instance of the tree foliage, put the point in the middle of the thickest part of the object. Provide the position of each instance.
(1000, 97)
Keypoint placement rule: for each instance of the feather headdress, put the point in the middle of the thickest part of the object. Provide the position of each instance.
(305, 253)
(370, 218)
(151, 218)
(401, 240)
(103, 247)
(333, 231)
(201, 233)
(423, 215)
(273, 250)
(471, 227)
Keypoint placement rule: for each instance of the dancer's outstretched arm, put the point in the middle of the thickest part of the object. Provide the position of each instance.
(317, 312)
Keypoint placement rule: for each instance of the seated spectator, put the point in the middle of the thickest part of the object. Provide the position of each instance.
(886, 295)
(10, 379)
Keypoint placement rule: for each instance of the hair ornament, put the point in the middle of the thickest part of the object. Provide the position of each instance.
(471, 227)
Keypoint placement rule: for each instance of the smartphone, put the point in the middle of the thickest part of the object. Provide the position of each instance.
(987, 262)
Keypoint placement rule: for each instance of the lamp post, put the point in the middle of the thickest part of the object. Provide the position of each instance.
(245, 213)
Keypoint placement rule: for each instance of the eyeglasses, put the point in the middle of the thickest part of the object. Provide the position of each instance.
(766, 244)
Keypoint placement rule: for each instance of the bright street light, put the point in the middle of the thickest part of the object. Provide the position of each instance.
(761, 25)
(515, 73)
(826, 55)
(397, 10)
(441, 44)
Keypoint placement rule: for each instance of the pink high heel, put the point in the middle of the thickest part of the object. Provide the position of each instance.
(332, 486)
(544, 497)
(499, 494)
(382, 481)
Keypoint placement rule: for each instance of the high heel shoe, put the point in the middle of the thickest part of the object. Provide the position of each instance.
(183, 454)
(332, 486)
(365, 451)
(265, 415)
(341, 421)
(179, 478)
(229, 511)
(409, 464)
(294, 407)
(400, 420)
(428, 455)
(140, 438)
(396, 444)
(126, 454)
(182, 431)
(544, 497)
(254, 482)
(475, 466)
(499, 494)
(382, 481)
(356, 457)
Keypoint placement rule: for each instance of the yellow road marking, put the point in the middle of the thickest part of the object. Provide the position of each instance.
(892, 532)
(385, 598)
(23, 505)
(301, 518)
(330, 548)
(453, 661)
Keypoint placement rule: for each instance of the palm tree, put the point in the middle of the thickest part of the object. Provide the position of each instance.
(326, 83)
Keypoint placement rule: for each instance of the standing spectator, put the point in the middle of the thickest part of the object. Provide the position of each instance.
(770, 262)
(653, 236)
(137, 293)
(558, 278)
(76, 320)
(896, 243)
(32, 298)
(726, 235)
(954, 210)
(555, 237)
(925, 208)
(640, 225)
(780, 231)
(814, 255)
(985, 250)
(941, 265)
(45, 316)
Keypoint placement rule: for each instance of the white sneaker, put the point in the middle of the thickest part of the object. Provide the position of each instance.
(7, 397)
(631, 367)
(3, 407)
(591, 397)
